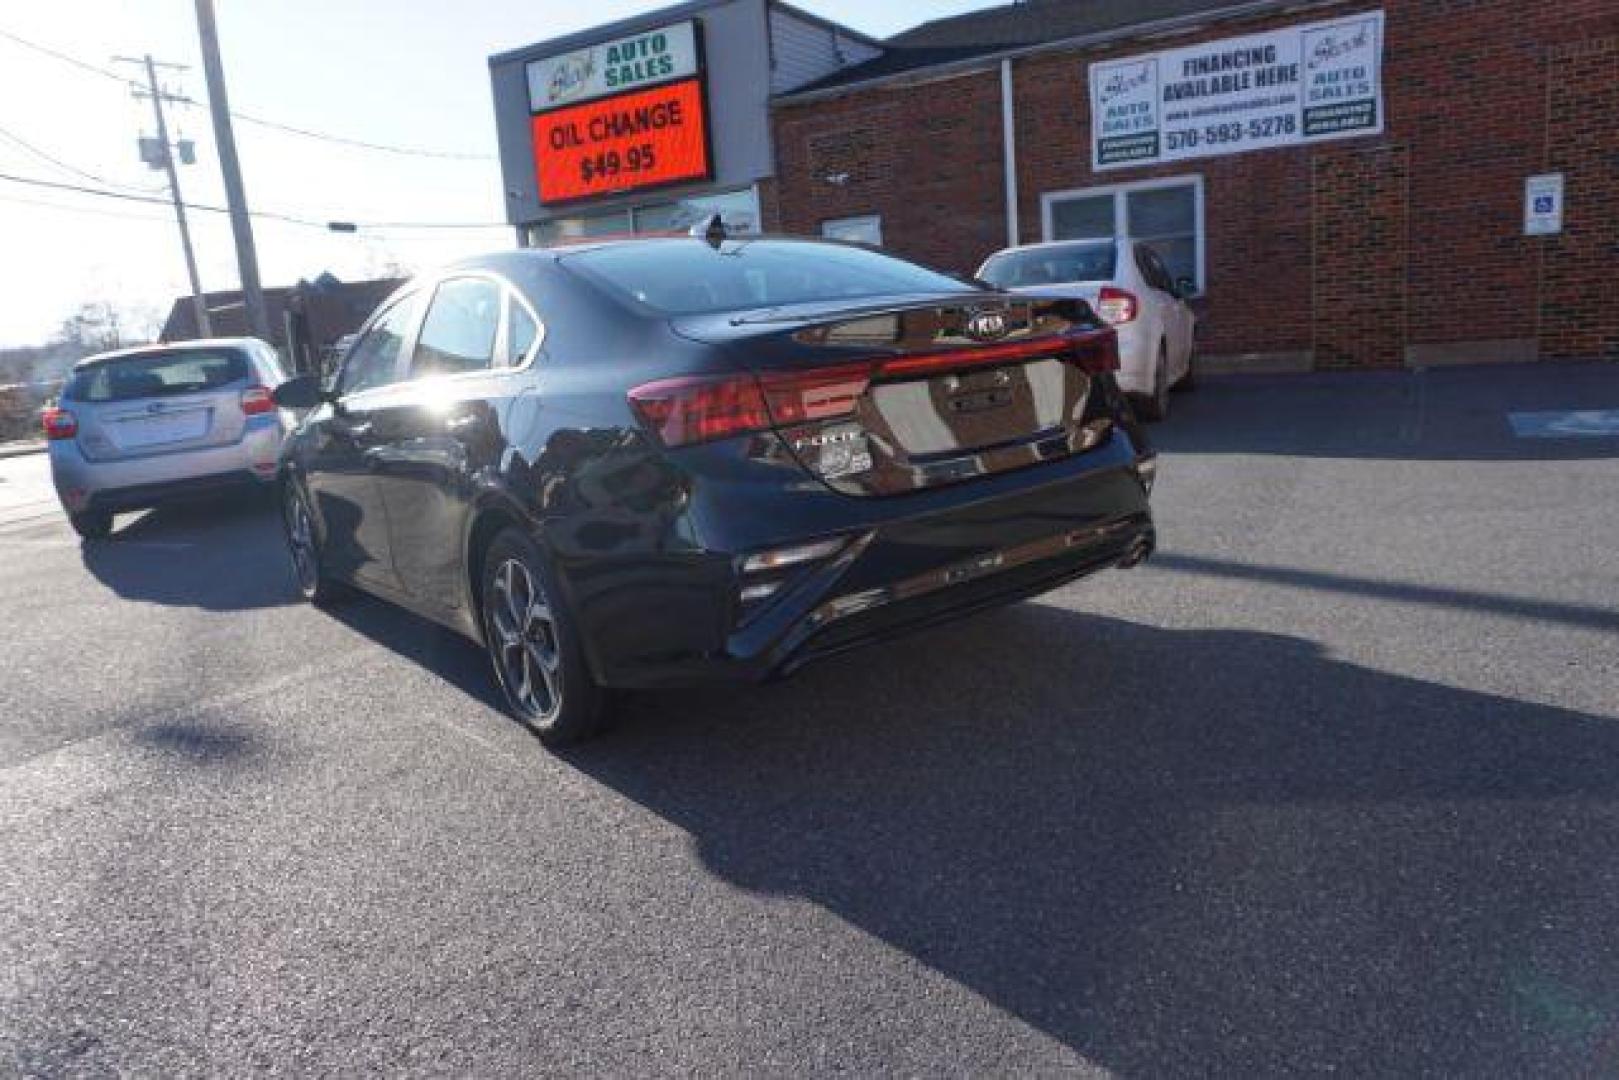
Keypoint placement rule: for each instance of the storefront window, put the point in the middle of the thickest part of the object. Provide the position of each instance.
(1088, 217)
(1165, 215)
(558, 230)
(739, 209)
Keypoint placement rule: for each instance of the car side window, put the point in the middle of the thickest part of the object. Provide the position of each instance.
(1162, 270)
(374, 359)
(522, 332)
(460, 330)
(1144, 264)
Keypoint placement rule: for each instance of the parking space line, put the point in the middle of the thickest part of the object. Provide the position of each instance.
(1566, 424)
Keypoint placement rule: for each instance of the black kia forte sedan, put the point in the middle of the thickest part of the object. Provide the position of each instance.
(657, 461)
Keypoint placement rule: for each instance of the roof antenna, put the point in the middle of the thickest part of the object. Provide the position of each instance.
(711, 232)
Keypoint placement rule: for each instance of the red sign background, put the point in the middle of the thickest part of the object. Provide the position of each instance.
(635, 140)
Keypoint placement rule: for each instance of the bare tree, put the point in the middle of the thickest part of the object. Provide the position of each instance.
(94, 326)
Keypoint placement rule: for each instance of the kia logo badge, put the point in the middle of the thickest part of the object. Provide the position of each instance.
(986, 326)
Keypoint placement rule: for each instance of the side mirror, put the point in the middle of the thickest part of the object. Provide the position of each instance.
(299, 392)
(1185, 288)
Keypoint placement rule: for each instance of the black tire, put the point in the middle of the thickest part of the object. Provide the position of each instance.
(1154, 407)
(91, 524)
(533, 644)
(303, 547)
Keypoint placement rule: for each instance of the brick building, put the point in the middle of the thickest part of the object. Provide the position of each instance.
(1395, 230)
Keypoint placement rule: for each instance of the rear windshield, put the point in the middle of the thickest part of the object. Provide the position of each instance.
(156, 375)
(1051, 265)
(691, 278)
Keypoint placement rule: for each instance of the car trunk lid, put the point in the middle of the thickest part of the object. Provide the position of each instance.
(884, 399)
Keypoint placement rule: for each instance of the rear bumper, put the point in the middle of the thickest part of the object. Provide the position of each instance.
(145, 496)
(139, 483)
(678, 624)
(1006, 576)
(1138, 356)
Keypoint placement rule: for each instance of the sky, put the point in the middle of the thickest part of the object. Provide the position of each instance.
(408, 73)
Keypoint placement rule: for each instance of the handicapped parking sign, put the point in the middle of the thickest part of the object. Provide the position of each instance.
(1543, 205)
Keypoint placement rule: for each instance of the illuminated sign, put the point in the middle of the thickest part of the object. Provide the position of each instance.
(616, 144)
(629, 63)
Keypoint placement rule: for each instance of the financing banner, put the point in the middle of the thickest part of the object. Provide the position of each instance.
(1280, 88)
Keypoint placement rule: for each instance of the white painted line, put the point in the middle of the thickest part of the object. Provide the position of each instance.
(1571, 424)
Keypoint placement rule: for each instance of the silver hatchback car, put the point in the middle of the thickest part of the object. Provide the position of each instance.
(142, 427)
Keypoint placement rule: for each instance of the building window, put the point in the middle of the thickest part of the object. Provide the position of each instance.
(865, 229)
(738, 209)
(1165, 215)
(559, 230)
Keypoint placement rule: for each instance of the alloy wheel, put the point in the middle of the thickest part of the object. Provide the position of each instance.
(524, 639)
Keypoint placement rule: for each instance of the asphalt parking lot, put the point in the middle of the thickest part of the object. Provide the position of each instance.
(1331, 784)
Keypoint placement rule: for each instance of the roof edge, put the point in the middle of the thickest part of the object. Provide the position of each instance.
(1157, 28)
(830, 24)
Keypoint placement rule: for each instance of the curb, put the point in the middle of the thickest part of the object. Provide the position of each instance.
(18, 449)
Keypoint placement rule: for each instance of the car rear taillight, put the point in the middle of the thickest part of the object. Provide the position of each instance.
(59, 424)
(795, 397)
(698, 409)
(256, 400)
(1116, 306)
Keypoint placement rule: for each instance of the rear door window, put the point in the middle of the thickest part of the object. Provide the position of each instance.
(522, 332)
(374, 359)
(186, 371)
(461, 328)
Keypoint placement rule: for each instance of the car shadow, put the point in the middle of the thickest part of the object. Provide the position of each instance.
(1176, 851)
(225, 554)
(460, 662)
(1438, 414)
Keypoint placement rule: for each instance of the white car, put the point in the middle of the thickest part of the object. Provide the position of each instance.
(1129, 286)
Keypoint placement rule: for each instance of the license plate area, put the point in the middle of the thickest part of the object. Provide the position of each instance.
(161, 429)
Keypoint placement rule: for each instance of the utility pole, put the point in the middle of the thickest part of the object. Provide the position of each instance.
(241, 226)
(165, 154)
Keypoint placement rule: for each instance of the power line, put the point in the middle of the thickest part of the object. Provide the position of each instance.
(36, 181)
(12, 137)
(95, 211)
(411, 151)
(271, 215)
(66, 59)
(290, 129)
